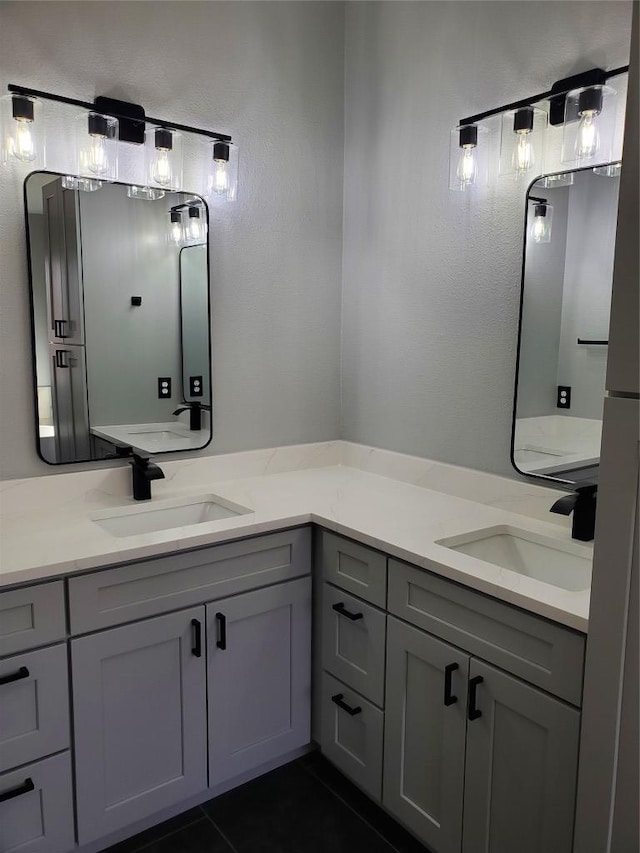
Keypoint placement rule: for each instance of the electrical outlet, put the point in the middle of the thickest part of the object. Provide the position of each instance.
(563, 399)
(195, 386)
(164, 387)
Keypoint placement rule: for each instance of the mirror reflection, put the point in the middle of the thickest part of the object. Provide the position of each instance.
(120, 318)
(564, 326)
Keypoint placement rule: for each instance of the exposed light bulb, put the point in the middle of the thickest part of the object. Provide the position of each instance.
(176, 232)
(219, 181)
(98, 159)
(195, 228)
(588, 138)
(523, 157)
(162, 172)
(541, 229)
(467, 170)
(22, 143)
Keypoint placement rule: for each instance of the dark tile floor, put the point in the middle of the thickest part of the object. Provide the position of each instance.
(304, 807)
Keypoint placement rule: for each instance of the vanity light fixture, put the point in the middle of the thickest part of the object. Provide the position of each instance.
(104, 125)
(548, 182)
(572, 99)
(22, 129)
(542, 220)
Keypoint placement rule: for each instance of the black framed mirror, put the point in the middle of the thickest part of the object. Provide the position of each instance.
(107, 319)
(567, 274)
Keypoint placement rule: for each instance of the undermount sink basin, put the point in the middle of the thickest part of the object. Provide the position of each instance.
(165, 515)
(566, 565)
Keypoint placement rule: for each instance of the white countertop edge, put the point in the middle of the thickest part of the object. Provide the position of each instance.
(545, 605)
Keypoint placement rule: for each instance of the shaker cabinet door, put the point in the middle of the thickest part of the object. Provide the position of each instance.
(139, 699)
(521, 764)
(424, 741)
(259, 677)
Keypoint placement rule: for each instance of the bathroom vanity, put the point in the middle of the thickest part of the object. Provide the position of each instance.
(144, 672)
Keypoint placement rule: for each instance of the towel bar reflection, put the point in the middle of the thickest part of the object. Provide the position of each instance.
(586, 342)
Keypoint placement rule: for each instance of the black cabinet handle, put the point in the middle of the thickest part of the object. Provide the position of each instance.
(221, 619)
(23, 672)
(25, 788)
(449, 698)
(61, 358)
(58, 328)
(342, 610)
(338, 699)
(474, 713)
(196, 647)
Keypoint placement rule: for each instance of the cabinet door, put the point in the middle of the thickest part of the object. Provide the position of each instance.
(259, 677)
(140, 720)
(521, 764)
(424, 739)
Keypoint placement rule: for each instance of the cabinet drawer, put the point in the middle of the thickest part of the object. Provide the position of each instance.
(31, 616)
(536, 650)
(34, 695)
(353, 742)
(353, 642)
(132, 592)
(355, 568)
(37, 814)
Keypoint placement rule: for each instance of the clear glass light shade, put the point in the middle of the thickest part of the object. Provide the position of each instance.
(163, 151)
(541, 215)
(611, 170)
(222, 171)
(87, 185)
(97, 146)
(522, 141)
(589, 129)
(23, 132)
(194, 224)
(564, 179)
(175, 232)
(468, 161)
(145, 193)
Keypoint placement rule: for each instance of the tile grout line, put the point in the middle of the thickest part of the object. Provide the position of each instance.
(352, 809)
(161, 837)
(218, 830)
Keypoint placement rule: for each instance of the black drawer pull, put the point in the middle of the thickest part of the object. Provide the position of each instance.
(474, 712)
(23, 672)
(342, 610)
(338, 699)
(25, 788)
(449, 698)
(196, 646)
(221, 619)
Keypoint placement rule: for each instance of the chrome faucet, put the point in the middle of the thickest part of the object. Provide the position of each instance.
(143, 472)
(582, 503)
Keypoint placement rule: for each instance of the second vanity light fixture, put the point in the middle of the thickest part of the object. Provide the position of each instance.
(579, 103)
(102, 130)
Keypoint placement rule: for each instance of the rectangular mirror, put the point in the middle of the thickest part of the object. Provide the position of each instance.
(120, 318)
(564, 324)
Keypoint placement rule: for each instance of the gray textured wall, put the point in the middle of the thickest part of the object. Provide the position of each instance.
(430, 279)
(272, 75)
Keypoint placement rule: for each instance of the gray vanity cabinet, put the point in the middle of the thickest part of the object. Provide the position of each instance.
(475, 759)
(259, 677)
(139, 707)
(424, 743)
(521, 763)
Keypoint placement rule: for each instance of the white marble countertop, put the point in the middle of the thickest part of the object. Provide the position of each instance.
(399, 504)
